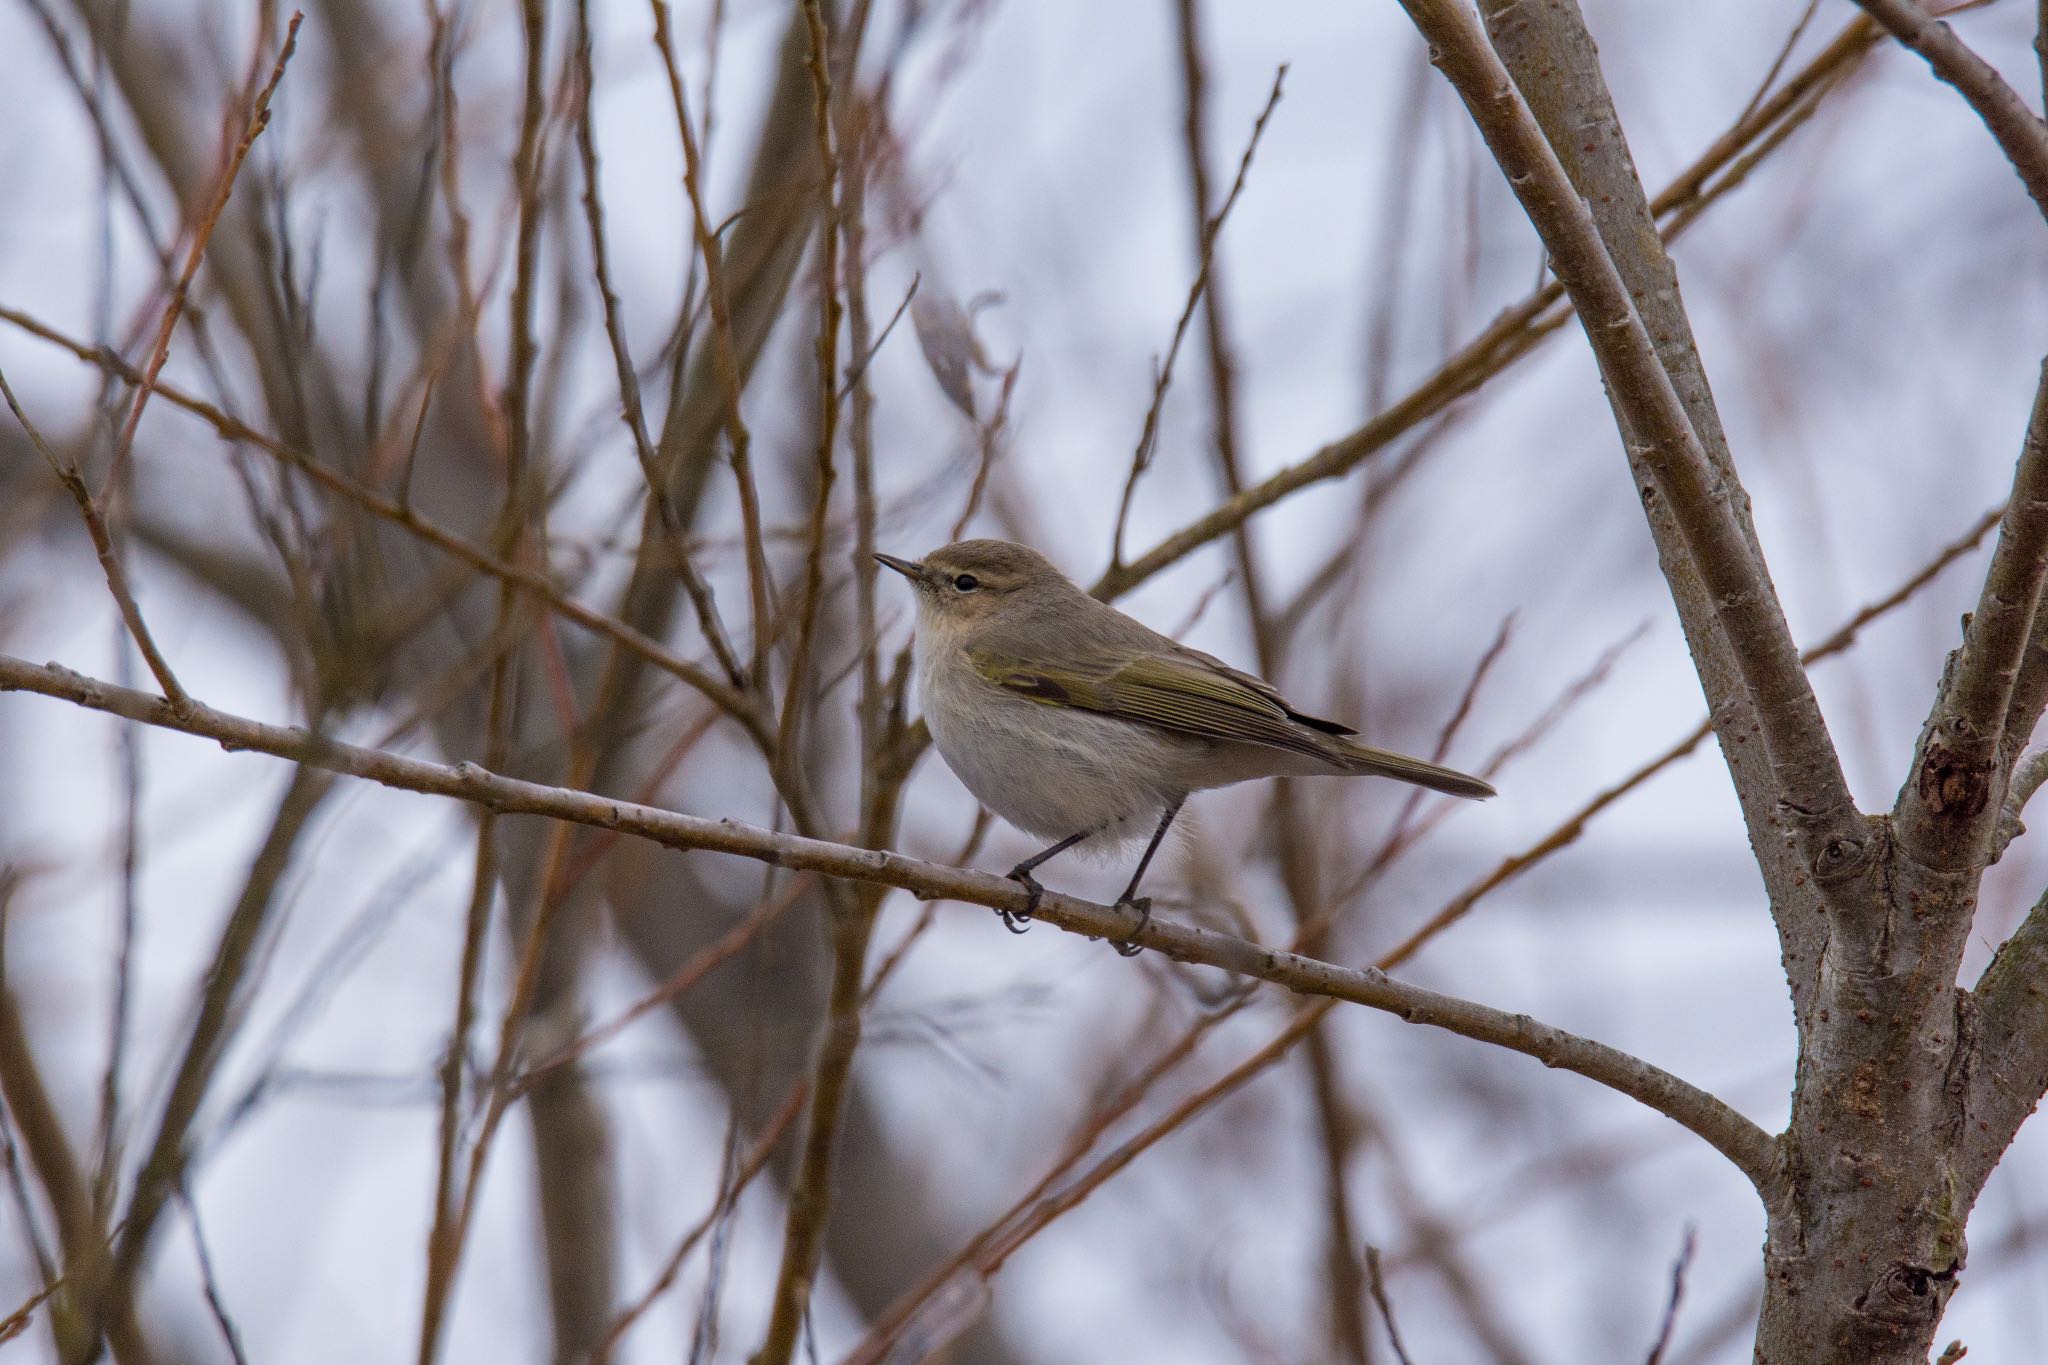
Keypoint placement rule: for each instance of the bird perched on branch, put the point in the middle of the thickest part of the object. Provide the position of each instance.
(1077, 724)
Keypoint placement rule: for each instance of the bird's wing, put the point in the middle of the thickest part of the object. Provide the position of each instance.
(1183, 691)
(1266, 690)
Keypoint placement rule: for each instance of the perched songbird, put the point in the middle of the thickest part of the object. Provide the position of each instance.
(1075, 723)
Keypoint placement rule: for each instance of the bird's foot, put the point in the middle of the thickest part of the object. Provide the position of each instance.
(1018, 921)
(1130, 947)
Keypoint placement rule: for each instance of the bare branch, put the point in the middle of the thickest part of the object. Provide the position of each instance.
(1380, 1301)
(724, 352)
(729, 700)
(1807, 773)
(103, 544)
(1946, 814)
(1748, 1147)
(1148, 435)
(1686, 1249)
(631, 407)
(163, 1168)
(1515, 332)
(2021, 136)
(160, 349)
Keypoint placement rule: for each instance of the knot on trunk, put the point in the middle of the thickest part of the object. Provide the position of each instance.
(1953, 784)
(1906, 1298)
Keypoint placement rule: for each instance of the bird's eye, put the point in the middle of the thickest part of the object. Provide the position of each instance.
(966, 582)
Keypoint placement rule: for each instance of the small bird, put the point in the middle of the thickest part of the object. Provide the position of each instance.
(1077, 724)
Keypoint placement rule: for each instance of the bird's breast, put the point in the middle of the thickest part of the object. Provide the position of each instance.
(1049, 770)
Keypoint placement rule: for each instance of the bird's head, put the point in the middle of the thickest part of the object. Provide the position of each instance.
(975, 581)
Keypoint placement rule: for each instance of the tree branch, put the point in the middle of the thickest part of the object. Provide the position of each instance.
(2021, 136)
(2030, 687)
(1747, 1146)
(103, 544)
(83, 1243)
(728, 699)
(2009, 1073)
(1515, 332)
(1946, 814)
(1806, 770)
(1556, 65)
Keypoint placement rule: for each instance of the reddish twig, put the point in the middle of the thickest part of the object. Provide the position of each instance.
(1148, 435)
(103, 545)
(160, 348)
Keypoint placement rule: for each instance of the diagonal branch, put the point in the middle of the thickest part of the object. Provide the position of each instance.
(69, 1192)
(1515, 332)
(1553, 59)
(1162, 379)
(160, 348)
(2021, 136)
(1946, 814)
(2030, 688)
(2010, 1072)
(1748, 1147)
(733, 702)
(234, 958)
(103, 543)
(1805, 768)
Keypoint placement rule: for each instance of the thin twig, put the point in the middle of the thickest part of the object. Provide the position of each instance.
(1763, 87)
(866, 357)
(455, 1210)
(729, 700)
(764, 1146)
(102, 544)
(209, 1282)
(1686, 1248)
(631, 407)
(818, 60)
(443, 1253)
(1220, 345)
(1148, 435)
(1380, 1301)
(852, 919)
(160, 349)
(724, 356)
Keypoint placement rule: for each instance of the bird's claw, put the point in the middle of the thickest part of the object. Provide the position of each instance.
(1130, 947)
(1019, 921)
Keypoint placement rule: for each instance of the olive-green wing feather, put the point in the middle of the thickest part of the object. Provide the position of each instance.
(1189, 693)
(1194, 694)
(1268, 691)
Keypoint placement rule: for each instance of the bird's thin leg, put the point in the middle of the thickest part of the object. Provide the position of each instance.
(1017, 921)
(1143, 905)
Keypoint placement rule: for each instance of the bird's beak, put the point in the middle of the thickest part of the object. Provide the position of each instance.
(909, 568)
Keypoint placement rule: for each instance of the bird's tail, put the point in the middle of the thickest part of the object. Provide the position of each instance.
(1370, 762)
